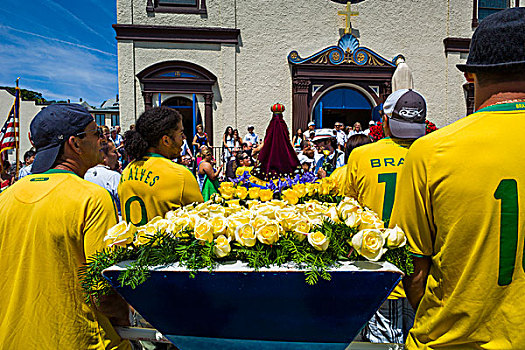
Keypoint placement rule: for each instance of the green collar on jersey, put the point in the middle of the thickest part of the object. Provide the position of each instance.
(57, 171)
(149, 154)
(503, 107)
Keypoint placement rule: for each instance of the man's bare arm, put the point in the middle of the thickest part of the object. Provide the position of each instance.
(415, 283)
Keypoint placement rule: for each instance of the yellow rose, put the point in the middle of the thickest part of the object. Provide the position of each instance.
(241, 192)
(222, 246)
(395, 237)
(227, 192)
(287, 217)
(318, 240)
(301, 229)
(311, 188)
(300, 189)
(267, 210)
(202, 206)
(163, 225)
(155, 220)
(259, 221)
(325, 188)
(278, 203)
(332, 213)
(369, 243)
(173, 214)
(291, 196)
(233, 203)
(253, 192)
(203, 231)
(226, 184)
(219, 225)
(142, 237)
(353, 219)
(370, 220)
(245, 235)
(345, 208)
(268, 233)
(252, 204)
(121, 234)
(265, 195)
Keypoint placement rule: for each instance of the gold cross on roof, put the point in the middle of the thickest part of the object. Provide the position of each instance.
(348, 15)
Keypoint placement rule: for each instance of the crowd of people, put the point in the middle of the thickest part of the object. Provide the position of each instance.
(455, 193)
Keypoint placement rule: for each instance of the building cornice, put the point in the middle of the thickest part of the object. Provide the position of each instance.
(456, 44)
(205, 35)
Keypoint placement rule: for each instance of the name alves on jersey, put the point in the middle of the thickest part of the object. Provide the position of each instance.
(380, 162)
(140, 174)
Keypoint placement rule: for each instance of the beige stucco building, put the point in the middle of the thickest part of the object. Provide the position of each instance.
(225, 62)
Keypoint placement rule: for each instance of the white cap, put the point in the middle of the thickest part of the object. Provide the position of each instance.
(321, 134)
(311, 124)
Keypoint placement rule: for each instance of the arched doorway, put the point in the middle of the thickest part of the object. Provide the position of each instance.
(191, 115)
(343, 104)
(180, 77)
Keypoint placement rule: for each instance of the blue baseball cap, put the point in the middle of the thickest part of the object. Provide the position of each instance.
(52, 127)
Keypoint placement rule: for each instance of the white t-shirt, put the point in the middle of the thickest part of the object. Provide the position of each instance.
(103, 176)
(252, 138)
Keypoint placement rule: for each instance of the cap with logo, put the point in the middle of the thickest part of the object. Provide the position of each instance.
(53, 126)
(498, 42)
(406, 110)
(322, 134)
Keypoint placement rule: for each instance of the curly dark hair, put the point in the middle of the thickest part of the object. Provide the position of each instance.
(149, 129)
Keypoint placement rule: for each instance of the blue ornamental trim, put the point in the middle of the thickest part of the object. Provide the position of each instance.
(348, 52)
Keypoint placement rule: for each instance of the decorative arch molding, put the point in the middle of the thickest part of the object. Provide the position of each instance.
(179, 77)
(364, 90)
(345, 63)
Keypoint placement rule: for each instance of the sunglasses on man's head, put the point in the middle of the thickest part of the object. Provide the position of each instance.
(98, 132)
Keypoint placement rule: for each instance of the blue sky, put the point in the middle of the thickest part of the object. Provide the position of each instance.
(64, 49)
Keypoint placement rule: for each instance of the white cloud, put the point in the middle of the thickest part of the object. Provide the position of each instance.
(59, 70)
(71, 15)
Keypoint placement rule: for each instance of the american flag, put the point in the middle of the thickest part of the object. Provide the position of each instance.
(10, 130)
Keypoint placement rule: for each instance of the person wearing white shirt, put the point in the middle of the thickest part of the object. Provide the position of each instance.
(356, 130)
(340, 135)
(104, 174)
(29, 157)
(310, 133)
(326, 142)
(251, 136)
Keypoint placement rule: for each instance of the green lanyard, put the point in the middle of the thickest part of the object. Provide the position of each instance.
(504, 107)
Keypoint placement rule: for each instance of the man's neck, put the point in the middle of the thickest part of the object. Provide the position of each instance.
(501, 97)
(70, 165)
(157, 151)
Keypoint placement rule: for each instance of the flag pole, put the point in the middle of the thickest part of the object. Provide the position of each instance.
(17, 129)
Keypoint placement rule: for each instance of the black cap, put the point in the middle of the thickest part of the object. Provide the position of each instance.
(407, 112)
(53, 126)
(498, 43)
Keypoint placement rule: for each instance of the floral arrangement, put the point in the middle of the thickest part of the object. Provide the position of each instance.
(309, 226)
(376, 131)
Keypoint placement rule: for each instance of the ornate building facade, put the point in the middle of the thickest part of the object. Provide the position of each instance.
(225, 62)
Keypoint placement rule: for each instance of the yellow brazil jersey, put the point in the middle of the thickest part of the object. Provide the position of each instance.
(460, 203)
(154, 185)
(49, 224)
(372, 177)
(339, 175)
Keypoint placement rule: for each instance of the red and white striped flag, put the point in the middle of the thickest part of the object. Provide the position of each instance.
(10, 130)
